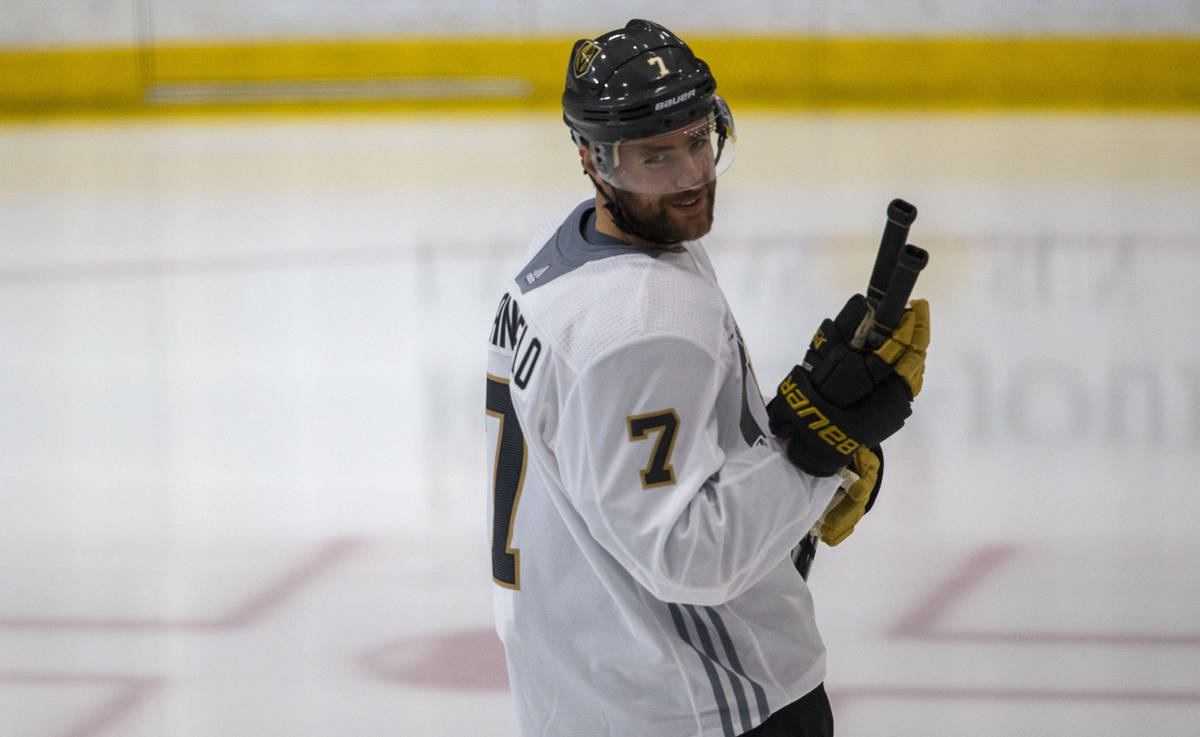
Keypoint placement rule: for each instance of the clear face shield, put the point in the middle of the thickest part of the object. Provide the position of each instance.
(683, 159)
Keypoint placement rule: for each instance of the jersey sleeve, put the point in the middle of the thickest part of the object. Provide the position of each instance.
(641, 456)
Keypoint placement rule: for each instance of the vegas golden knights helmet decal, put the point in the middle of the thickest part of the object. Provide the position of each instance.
(584, 56)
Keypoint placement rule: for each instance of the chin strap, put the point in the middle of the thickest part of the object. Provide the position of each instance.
(614, 207)
(617, 212)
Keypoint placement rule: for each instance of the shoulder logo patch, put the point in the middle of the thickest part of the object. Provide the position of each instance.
(584, 56)
(532, 276)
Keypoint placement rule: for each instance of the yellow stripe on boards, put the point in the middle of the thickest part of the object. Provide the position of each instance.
(498, 73)
(69, 79)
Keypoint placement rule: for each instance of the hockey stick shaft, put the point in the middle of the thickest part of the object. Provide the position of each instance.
(891, 305)
(900, 217)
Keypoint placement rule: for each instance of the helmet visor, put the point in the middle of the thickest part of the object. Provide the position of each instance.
(679, 160)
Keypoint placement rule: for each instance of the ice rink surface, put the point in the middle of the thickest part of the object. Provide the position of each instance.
(241, 416)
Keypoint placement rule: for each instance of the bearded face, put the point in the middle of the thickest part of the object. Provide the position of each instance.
(668, 219)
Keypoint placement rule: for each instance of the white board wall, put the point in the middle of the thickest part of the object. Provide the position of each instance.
(123, 22)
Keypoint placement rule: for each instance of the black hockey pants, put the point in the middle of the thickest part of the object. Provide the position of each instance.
(808, 716)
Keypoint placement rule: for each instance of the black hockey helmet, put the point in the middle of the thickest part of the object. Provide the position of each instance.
(640, 82)
(634, 82)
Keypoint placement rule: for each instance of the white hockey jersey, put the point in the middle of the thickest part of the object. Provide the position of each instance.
(641, 522)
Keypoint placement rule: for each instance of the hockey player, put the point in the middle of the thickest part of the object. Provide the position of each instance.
(644, 500)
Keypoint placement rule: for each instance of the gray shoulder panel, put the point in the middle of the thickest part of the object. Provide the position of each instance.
(567, 250)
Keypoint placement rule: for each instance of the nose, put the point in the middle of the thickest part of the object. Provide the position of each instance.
(694, 169)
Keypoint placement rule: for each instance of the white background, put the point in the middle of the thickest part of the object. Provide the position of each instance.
(124, 22)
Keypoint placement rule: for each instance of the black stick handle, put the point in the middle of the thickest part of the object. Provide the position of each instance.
(891, 306)
(900, 216)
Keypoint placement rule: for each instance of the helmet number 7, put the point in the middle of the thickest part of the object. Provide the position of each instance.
(662, 68)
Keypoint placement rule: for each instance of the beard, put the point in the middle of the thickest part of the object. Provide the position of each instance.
(656, 220)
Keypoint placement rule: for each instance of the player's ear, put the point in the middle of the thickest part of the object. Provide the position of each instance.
(585, 158)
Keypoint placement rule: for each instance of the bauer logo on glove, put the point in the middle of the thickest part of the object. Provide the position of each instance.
(806, 412)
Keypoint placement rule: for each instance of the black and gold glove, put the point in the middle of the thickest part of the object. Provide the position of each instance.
(855, 498)
(845, 397)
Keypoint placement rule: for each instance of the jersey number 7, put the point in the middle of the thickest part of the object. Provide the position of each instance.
(659, 472)
(508, 478)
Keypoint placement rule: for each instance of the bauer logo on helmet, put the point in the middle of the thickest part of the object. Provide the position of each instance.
(675, 100)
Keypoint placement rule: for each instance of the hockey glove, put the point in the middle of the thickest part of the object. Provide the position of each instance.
(905, 349)
(845, 373)
(855, 497)
(844, 397)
